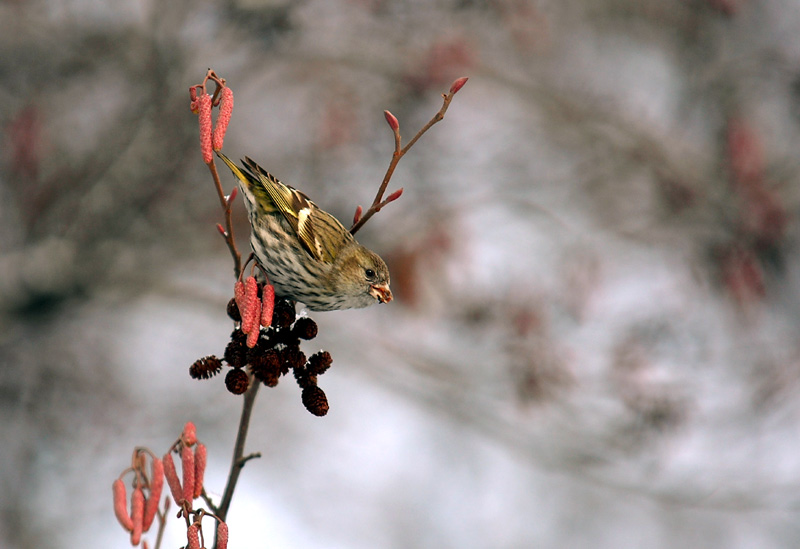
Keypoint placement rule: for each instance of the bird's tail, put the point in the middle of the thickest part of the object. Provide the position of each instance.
(235, 169)
(254, 193)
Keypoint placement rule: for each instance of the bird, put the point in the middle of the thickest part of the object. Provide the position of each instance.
(306, 252)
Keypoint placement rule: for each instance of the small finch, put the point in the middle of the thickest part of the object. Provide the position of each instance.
(307, 253)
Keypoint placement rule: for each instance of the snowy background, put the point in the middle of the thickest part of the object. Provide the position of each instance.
(596, 336)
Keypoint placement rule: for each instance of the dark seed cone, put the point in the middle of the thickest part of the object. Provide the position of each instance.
(237, 381)
(293, 357)
(319, 363)
(269, 378)
(233, 311)
(276, 353)
(236, 350)
(287, 337)
(283, 315)
(315, 401)
(239, 336)
(267, 367)
(205, 367)
(305, 328)
(302, 378)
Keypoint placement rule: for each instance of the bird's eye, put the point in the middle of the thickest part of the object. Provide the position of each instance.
(370, 273)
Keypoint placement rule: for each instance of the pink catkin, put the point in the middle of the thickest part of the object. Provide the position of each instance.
(224, 117)
(357, 215)
(189, 435)
(172, 478)
(252, 307)
(200, 455)
(193, 537)
(267, 304)
(238, 294)
(137, 515)
(156, 485)
(204, 111)
(222, 536)
(121, 505)
(252, 338)
(187, 465)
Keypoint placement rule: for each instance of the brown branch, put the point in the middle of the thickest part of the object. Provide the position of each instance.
(227, 232)
(208, 501)
(379, 202)
(239, 459)
(212, 139)
(162, 523)
(248, 457)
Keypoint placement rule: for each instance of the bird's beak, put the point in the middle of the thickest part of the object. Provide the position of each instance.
(381, 292)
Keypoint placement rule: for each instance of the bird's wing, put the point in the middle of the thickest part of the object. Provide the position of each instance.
(320, 233)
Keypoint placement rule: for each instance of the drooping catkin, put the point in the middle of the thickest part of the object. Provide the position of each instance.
(223, 118)
(152, 502)
(222, 536)
(189, 435)
(172, 478)
(204, 112)
(137, 515)
(187, 466)
(193, 537)
(267, 304)
(121, 504)
(199, 468)
(251, 315)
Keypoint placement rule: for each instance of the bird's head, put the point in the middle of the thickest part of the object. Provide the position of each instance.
(362, 276)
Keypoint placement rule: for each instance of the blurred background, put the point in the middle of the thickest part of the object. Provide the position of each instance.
(595, 337)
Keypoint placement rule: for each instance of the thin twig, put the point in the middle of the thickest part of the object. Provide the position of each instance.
(227, 234)
(162, 522)
(238, 460)
(399, 152)
(208, 501)
(245, 459)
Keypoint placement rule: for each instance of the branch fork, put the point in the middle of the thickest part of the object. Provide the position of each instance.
(399, 151)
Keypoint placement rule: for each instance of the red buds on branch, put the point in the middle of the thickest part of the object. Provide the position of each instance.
(394, 196)
(392, 120)
(458, 84)
(399, 152)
